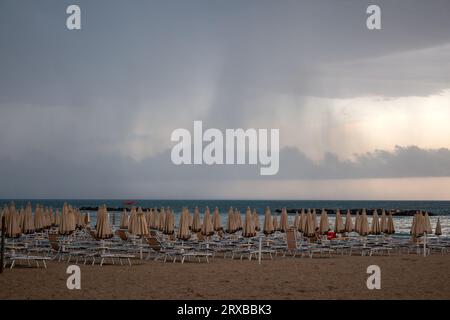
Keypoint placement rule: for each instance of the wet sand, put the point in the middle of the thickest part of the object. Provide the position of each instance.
(402, 277)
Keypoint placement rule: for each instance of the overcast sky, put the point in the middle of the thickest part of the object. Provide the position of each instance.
(88, 114)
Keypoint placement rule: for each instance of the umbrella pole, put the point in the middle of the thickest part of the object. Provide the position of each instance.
(425, 244)
(2, 253)
(260, 250)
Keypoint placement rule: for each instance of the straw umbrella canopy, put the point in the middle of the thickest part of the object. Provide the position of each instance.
(238, 219)
(132, 218)
(390, 224)
(28, 221)
(296, 221)
(339, 226)
(66, 225)
(375, 229)
(438, 230)
(231, 223)
(162, 219)
(12, 222)
(348, 222)
(302, 221)
(249, 228)
(217, 225)
(418, 225)
(207, 226)
(256, 220)
(309, 230)
(183, 226)
(87, 218)
(427, 224)
(275, 223)
(283, 220)
(57, 218)
(191, 219)
(196, 224)
(323, 225)
(38, 219)
(314, 215)
(124, 220)
(268, 227)
(47, 218)
(357, 222)
(383, 222)
(169, 223)
(103, 227)
(364, 224)
(139, 226)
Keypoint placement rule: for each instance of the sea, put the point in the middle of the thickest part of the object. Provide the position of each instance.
(439, 209)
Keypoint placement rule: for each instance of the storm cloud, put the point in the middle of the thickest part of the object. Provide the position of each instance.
(90, 112)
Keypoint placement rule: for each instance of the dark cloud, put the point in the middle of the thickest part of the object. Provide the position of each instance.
(70, 102)
(106, 175)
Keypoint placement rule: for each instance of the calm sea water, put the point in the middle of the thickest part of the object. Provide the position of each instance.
(440, 208)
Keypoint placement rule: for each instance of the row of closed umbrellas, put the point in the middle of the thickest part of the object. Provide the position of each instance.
(22, 221)
(139, 222)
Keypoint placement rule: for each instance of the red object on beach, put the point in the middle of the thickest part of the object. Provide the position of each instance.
(331, 235)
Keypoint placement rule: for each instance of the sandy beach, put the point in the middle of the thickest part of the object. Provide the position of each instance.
(402, 277)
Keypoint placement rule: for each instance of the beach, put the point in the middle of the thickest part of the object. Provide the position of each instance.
(337, 277)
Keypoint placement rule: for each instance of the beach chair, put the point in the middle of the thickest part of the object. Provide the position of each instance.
(292, 245)
(121, 233)
(157, 249)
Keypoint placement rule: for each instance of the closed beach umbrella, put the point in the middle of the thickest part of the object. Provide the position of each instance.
(302, 221)
(418, 225)
(314, 215)
(249, 227)
(383, 222)
(256, 220)
(196, 224)
(169, 223)
(268, 227)
(67, 223)
(207, 226)
(124, 220)
(238, 219)
(348, 222)
(339, 224)
(390, 224)
(38, 219)
(296, 221)
(57, 218)
(132, 218)
(438, 230)
(375, 229)
(357, 222)
(139, 227)
(87, 218)
(275, 223)
(183, 226)
(427, 223)
(284, 220)
(309, 226)
(12, 222)
(162, 219)
(231, 227)
(323, 225)
(28, 221)
(216, 220)
(103, 227)
(364, 224)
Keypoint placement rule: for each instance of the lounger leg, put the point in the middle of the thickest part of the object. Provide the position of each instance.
(45, 264)
(129, 261)
(12, 264)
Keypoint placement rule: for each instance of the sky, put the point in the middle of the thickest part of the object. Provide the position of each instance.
(362, 114)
